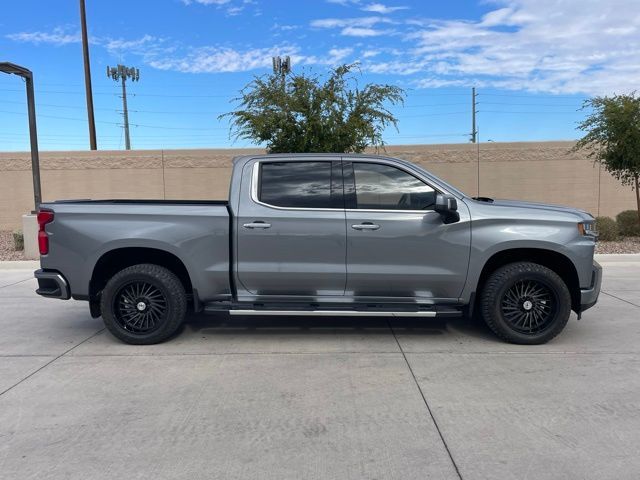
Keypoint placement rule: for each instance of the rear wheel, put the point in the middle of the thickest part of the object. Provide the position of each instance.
(143, 304)
(525, 303)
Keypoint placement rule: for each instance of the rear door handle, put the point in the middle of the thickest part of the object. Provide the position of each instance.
(365, 226)
(257, 224)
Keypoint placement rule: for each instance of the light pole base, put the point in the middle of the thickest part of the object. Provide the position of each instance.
(30, 233)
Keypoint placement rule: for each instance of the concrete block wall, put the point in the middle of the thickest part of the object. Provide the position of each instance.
(536, 171)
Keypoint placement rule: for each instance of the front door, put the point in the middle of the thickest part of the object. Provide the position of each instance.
(291, 237)
(397, 245)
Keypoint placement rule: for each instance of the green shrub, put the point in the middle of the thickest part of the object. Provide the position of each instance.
(607, 228)
(628, 224)
(18, 240)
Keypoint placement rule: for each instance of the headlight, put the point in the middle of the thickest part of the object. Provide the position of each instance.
(588, 229)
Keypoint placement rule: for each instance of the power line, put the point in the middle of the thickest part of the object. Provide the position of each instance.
(161, 127)
(529, 104)
(55, 117)
(432, 115)
(72, 107)
(412, 93)
(548, 95)
(538, 112)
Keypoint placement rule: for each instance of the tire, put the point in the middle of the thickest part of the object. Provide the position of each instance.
(143, 304)
(525, 303)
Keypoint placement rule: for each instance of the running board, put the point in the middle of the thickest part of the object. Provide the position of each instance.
(334, 313)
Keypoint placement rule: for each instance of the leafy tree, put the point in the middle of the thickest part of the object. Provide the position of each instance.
(613, 137)
(303, 113)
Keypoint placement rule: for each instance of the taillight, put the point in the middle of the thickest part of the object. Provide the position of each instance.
(44, 217)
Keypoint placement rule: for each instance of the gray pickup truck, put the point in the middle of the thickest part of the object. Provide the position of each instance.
(322, 234)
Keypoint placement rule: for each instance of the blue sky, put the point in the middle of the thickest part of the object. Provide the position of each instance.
(532, 61)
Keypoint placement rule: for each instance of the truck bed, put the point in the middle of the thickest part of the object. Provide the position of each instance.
(125, 201)
(196, 232)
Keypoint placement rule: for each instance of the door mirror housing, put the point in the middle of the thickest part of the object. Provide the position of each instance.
(447, 207)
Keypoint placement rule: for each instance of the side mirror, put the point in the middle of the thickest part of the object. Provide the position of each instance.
(447, 207)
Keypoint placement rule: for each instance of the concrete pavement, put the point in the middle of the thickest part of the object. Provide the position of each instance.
(318, 398)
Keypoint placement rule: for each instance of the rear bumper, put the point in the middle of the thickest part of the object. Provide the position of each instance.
(52, 284)
(589, 296)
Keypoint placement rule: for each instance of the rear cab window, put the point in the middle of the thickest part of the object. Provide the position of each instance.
(303, 184)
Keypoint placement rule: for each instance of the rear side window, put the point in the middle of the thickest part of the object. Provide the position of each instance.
(295, 184)
(383, 187)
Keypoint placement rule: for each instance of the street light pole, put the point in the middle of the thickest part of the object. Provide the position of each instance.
(33, 140)
(11, 68)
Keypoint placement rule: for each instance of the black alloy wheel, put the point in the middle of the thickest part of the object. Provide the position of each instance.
(143, 304)
(525, 303)
(139, 307)
(529, 306)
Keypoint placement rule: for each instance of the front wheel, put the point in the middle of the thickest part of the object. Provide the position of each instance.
(143, 304)
(525, 303)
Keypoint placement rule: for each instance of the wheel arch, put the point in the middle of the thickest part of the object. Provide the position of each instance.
(118, 259)
(555, 261)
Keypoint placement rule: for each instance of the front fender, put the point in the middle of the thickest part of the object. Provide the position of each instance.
(493, 236)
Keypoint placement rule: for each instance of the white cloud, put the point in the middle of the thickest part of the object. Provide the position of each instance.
(559, 46)
(224, 59)
(59, 36)
(119, 46)
(115, 46)
(165, 54)
(370, 53)
(381, 9)
(231, 8)
(361, 32)
(221, 59)
(348, 22)
(206, 2)
(344, 3)
(233, 11)
(284, 28)
(336, 55)
(396, 67)
(354, 27)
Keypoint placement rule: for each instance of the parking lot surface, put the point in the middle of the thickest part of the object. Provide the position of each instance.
(318, 398)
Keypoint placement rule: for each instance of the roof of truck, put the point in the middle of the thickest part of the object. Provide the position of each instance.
(314, 155)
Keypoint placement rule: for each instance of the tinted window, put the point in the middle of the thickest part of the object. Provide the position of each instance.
(296, 184)
(383, 187)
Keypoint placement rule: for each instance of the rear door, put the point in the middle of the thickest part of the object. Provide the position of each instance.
(291, 237)
(397, 245)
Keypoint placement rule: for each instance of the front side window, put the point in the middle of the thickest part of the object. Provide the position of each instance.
(383, 187)
(295, 184)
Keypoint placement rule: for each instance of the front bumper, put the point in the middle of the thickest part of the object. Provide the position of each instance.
(589, 296)
(52, 284)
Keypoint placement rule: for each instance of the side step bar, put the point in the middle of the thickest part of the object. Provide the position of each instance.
(334, 313)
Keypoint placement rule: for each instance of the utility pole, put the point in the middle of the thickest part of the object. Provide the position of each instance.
(87, 78)
(478, 155)
(122, 73)
(474, 104)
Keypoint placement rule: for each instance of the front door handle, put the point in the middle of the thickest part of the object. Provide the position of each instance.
(257, 224)
(366, 226)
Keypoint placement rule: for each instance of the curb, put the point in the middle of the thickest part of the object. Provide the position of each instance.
(19, 264)
(617, 258)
